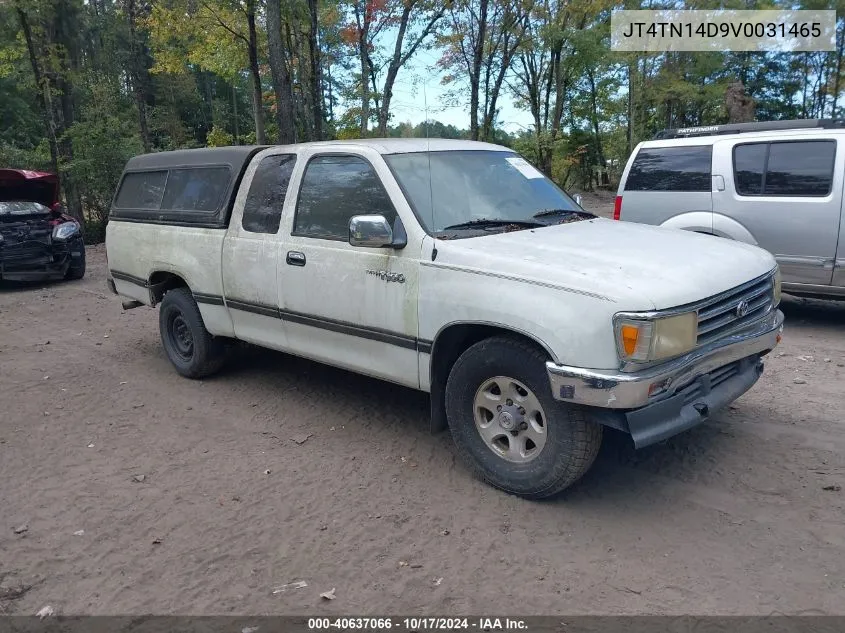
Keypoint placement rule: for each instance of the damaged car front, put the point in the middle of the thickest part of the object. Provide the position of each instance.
(37, 240)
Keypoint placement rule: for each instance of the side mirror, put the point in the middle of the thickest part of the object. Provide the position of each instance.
(577, 198)
(371, 231)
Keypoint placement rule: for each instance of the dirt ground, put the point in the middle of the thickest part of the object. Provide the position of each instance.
(139, 492)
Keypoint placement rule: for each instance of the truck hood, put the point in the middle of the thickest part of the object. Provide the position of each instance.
(638, 266)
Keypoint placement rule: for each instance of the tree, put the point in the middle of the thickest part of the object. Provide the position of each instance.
(414, 12)
(281, 75)
(216, 35)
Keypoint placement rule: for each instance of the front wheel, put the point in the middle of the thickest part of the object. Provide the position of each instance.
(192, 350)
(508, 427)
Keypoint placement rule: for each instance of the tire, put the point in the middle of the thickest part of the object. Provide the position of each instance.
(76, 270)
(191, 349)
(566, 441)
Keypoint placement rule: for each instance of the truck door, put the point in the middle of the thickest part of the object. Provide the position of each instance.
(251, 249)
(785, 195)
(349, 306)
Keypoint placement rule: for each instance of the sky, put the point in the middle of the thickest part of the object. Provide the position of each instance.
(418, 84)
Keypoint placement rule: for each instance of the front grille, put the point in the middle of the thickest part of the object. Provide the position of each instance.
(26, 242)
(723, 313)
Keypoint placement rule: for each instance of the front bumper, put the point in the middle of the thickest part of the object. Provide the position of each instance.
(32, 261)
(664, 400)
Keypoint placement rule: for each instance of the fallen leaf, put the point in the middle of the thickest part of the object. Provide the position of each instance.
(21, 529)
(138, 478)
(328, 595)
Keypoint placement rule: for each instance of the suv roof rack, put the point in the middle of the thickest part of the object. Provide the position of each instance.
(740, 128)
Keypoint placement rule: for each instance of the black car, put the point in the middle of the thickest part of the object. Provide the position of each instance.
(37, 240)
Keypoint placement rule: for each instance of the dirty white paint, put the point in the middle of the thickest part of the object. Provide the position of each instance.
(559, 285)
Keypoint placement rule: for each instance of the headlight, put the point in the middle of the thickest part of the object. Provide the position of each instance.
(66, 230)
(776, 292)
(656, 339)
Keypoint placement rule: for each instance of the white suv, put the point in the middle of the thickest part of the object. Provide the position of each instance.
(776, 185)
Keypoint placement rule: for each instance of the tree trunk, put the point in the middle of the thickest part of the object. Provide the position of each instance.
(393, 70)
(475, 71)
(260, 136)
(363, 30)
(594, 112)
(140, 78)
(840, 45)
(630, 141)
(281, 77)
(235, 116)
(41, 87)
(66, 28)
(316, 70)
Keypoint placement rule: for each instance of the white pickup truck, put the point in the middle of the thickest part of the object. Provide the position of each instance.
(455, 268)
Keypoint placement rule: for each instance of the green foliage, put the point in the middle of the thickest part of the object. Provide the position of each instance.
(219, 138)
(184, 65)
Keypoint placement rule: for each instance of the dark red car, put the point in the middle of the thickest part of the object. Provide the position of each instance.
(37, 240)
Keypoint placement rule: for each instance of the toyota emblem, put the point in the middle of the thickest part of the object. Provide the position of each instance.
(741, 309)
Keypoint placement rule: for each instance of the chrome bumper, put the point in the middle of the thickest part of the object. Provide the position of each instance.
(613, 389)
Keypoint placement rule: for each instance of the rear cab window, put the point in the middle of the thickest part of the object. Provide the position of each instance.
(187, 189)
(678, 168)
(784, 168)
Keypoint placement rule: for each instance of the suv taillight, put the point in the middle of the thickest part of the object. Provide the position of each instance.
(617, 208)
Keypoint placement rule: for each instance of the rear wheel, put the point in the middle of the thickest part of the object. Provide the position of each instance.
(508, 427)
(192, 350)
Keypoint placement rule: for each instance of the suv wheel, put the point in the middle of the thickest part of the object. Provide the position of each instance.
(508, 427)
(193, 351)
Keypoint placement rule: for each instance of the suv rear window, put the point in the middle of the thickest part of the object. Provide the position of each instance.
(671, 169)
(784, 168)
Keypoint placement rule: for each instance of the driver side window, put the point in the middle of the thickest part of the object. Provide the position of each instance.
(334, 189)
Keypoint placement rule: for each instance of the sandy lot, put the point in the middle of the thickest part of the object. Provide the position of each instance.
(743, 515)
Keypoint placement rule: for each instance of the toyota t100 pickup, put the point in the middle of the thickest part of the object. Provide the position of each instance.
(451, 267)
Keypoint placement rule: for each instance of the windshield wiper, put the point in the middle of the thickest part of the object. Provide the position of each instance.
(487, 222)
(547, 212)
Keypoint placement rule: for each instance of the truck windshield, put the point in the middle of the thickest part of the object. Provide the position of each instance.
(478, 190)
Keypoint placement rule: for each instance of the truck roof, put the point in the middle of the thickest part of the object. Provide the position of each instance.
(236, 155)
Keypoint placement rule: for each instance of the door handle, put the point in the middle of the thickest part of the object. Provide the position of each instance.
(295, 258)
